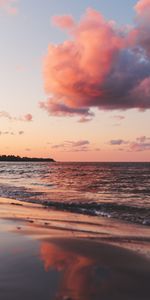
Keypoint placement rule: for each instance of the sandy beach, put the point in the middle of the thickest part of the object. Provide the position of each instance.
(48, 254)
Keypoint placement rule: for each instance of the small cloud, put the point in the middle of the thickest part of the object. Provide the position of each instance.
(80, 149)
(7, 133)
(64, 22)
(27, 149)
(9, 6)
(85, 119)
(117, 142)
(58, 146)
(142, 139)
(141, 144)
(21, 132)
(80, 143)
(73, 146)
(5, 114)
(26, 118)
(139, 147)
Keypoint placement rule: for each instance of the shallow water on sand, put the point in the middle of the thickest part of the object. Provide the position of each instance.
(59, 269)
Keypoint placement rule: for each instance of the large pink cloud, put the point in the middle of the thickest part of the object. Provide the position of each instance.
(9, 6)
(100, 65)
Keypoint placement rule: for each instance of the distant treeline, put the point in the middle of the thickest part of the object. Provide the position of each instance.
(24, 159)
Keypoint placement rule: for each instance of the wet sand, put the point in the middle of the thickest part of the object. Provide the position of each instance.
(47, 254)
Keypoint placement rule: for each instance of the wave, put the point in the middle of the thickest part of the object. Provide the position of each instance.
(138, 215)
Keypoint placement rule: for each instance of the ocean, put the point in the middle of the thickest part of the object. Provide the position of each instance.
(112, 190)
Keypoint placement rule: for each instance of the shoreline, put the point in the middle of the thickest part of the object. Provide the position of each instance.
(48, 254)
(40, 222)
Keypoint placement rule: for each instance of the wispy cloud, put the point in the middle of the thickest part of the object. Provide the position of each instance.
(57, 146)
(85, 119)
(79, 143)
(142, 139)
(74, 146)
(141, 143)
(26, 118)
(6, 133)
(5, 114)
(21, 132)
(60, 109)
(117, 142)
(136, 147)
(100, 65)
(66, 21)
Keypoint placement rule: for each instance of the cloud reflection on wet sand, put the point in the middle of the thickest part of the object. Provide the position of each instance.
(92, 270)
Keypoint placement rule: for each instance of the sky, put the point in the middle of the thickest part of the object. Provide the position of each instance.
(75, 79)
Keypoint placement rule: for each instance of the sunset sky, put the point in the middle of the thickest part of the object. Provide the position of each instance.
(75, 79)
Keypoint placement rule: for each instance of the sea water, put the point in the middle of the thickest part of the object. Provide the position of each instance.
(118, 190)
